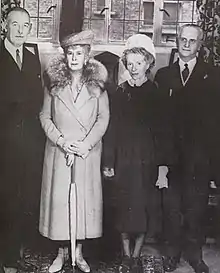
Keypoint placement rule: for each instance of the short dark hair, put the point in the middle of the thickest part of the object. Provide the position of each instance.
(138, 50)
(19, 9)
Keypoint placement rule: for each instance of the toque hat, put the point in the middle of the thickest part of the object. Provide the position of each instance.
(84, 37)
(141, 40)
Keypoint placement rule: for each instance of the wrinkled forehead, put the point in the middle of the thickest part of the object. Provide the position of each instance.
(190, 33)
(77, 48)
(18, 16)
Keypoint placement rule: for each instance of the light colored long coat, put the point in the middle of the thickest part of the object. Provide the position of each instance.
(87, 119)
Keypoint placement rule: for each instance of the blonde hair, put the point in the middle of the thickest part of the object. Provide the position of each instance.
(139, 50)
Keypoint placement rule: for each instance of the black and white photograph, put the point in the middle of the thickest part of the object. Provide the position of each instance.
(110, 136)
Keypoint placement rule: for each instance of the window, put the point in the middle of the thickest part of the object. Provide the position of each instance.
(148, 12)
(100, 4)
(159, 19)
(171, 11)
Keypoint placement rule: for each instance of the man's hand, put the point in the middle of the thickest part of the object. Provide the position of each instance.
(162, 181)
(108, 172)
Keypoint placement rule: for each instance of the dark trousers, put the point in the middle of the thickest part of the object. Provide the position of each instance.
(10, 228)
(184, 207)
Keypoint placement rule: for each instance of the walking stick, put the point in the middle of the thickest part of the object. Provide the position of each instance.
(72, 213)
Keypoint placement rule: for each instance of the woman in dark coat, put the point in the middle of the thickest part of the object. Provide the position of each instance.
(130, 148)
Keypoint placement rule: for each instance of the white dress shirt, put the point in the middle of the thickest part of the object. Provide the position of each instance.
(191, 64)
(12, 50)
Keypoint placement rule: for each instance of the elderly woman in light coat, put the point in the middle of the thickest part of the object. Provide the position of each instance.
(74, 116)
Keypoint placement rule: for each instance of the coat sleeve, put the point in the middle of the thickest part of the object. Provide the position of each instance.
(164, 131)
(110, 138)
(101, 124)
(47, 123)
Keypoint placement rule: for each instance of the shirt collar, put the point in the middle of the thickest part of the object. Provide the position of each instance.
(190, 64)
(12, 49)
(137, 82)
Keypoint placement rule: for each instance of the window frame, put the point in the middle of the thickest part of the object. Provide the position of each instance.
(54, 39)
(162, 32)
(101, 12)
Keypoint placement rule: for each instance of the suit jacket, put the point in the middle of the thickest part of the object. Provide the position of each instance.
(192, 111)
(21, 135)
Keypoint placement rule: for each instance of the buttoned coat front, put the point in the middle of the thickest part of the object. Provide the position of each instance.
(86, 119)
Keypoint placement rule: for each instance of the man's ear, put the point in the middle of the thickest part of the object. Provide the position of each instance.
(5, 25)
(201, 44)
(177, 41)
(30, 28)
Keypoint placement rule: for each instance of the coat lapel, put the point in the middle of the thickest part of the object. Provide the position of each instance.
(66, 97)
(175, 78)
(199, 73)
(26, 61)
(82, 98)
(10, 60)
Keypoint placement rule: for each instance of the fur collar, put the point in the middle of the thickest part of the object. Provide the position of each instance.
(57, 76)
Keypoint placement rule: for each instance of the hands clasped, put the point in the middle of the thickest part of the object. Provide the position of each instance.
(79, 148)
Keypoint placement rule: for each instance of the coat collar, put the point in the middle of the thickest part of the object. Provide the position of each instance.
(199, 72)
(66, 97)
(58, 77)
(58, 81)
(6, 55)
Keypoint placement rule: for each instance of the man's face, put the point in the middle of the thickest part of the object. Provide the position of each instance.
(188, 43)
(18, 27)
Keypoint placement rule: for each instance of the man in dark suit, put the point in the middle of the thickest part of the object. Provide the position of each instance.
(189, 85)
(21, 136)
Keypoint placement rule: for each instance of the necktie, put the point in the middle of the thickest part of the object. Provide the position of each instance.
(18, 59)
(185, 72)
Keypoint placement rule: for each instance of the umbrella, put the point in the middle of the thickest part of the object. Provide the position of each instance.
(72, 213)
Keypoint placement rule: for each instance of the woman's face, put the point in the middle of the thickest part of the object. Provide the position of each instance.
(76, 57)
(137, 65)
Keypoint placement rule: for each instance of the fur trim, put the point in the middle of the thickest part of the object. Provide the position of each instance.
(57, 76)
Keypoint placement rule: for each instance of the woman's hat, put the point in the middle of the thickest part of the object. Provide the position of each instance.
(84, 37)
(141, 40)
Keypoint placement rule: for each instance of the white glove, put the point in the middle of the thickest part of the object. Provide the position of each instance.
(162, 181)
(66, 145)
(81, 148)
(69, 159)
(108, 172)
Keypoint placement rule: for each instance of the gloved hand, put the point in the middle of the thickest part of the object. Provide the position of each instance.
(66, 145)
(81, 148)
(162, 181)
(69, 159)
(108, 172)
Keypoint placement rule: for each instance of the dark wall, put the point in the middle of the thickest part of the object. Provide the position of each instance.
(71, 17)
